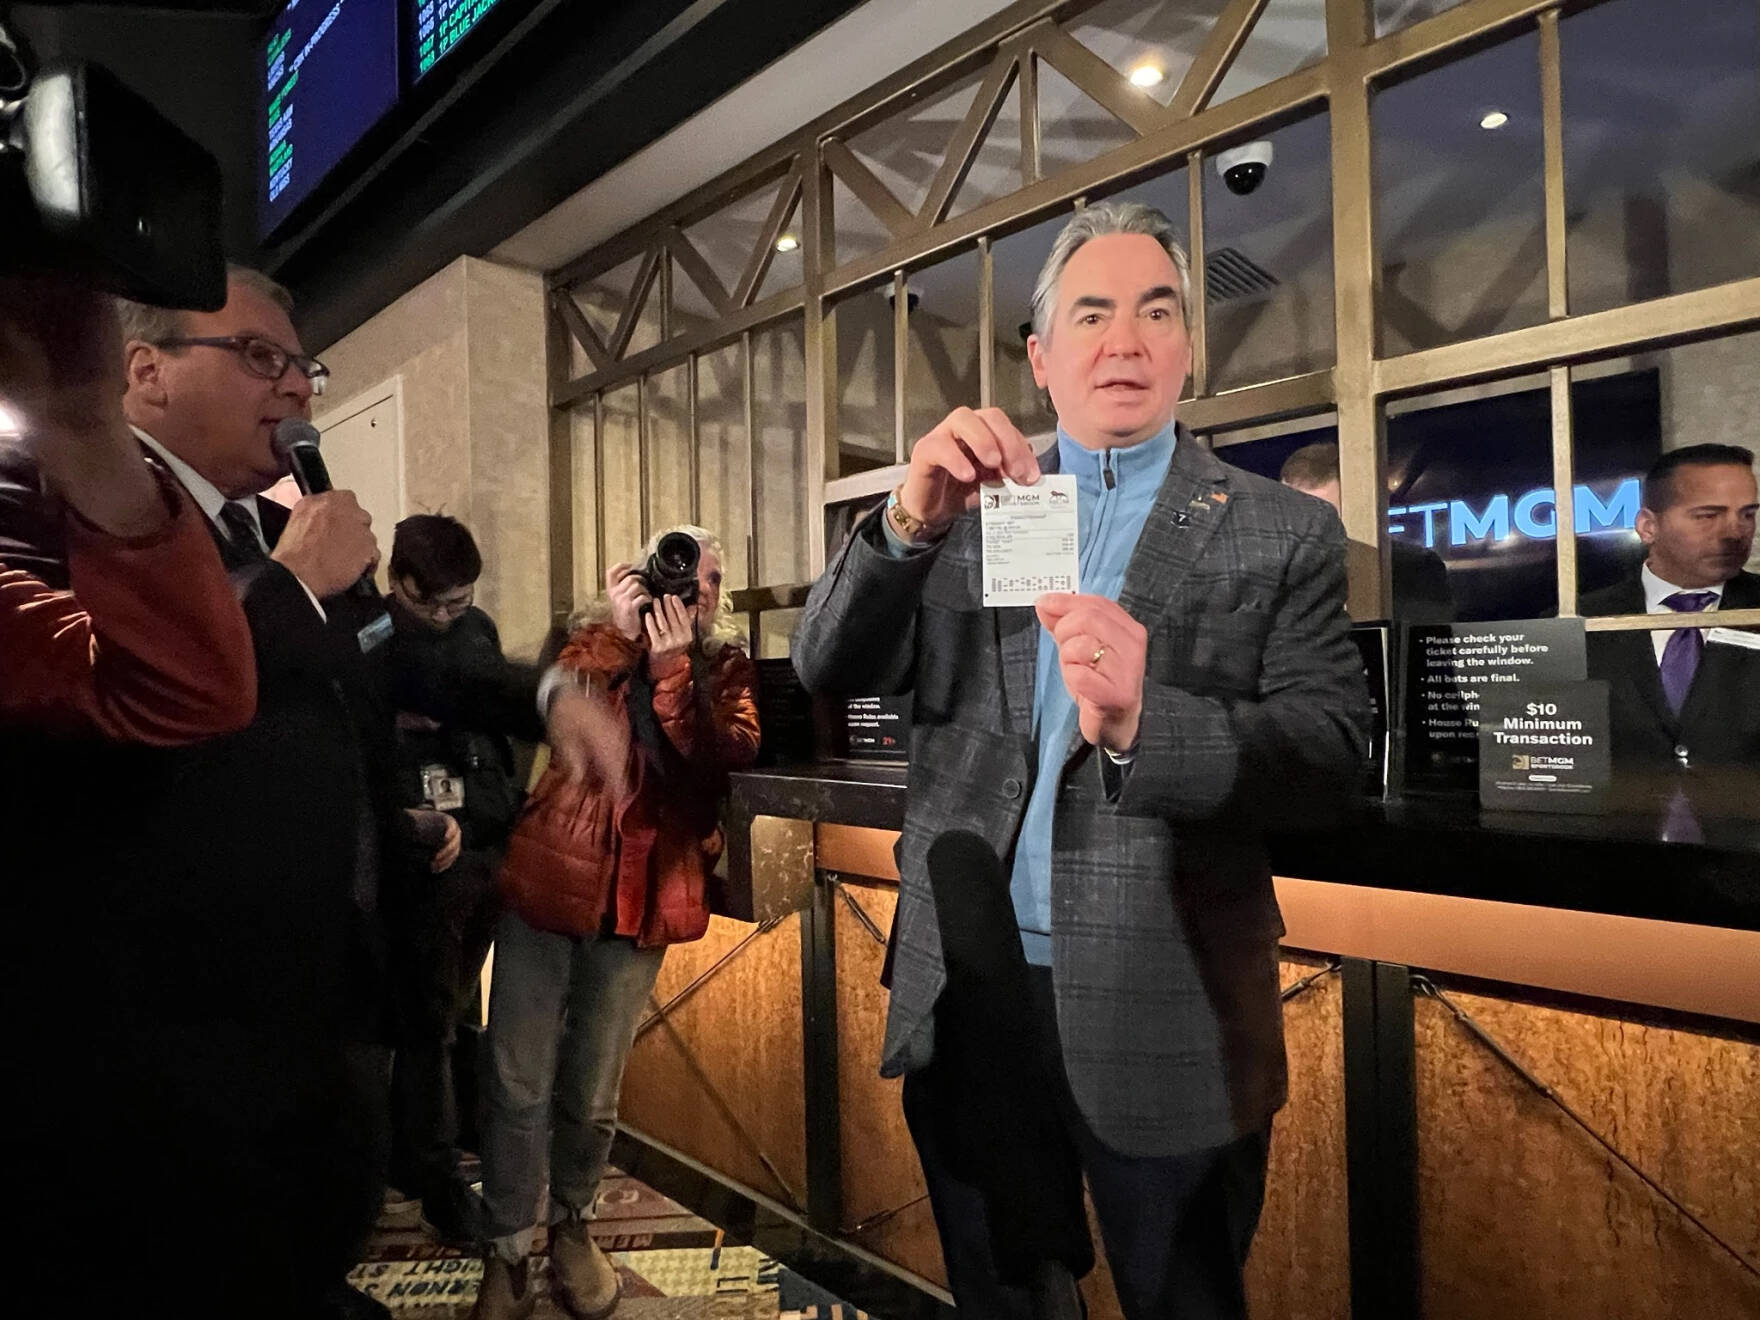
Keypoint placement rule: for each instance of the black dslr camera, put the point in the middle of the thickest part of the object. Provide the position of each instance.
(672, 569)
(97, 185)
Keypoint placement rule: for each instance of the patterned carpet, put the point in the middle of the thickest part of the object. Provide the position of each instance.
(675, 1266)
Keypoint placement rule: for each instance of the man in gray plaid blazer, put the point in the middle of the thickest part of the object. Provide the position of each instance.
(1120, 753)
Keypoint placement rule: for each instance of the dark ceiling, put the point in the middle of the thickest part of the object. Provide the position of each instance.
(556, 93)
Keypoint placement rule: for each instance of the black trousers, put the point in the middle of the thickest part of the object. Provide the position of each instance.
(222, 1171)
(1177, 1230)
(443, 932)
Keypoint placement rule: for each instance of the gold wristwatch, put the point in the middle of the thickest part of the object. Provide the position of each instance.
(909, 527)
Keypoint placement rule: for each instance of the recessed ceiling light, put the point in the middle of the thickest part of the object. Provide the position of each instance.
(787, 243)
(1146, 75)
(1493, 119)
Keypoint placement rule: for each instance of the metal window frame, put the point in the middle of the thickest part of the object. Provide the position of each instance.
(1007, 51)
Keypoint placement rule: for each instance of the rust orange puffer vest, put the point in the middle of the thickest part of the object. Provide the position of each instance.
(575, 851)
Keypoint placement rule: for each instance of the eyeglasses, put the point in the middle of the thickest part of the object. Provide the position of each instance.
(449, 606)
(261, 357)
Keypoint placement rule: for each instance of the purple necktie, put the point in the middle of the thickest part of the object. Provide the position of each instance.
(1680, 658)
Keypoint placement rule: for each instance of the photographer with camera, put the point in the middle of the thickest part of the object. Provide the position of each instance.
(598, 882)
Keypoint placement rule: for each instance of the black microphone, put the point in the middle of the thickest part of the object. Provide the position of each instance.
(296, 440)
(980, 937)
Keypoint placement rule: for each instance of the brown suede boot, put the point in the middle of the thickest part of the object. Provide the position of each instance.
(507, 1292)
(583, 1279)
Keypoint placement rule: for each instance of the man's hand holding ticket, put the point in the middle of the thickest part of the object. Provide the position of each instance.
(950, 464)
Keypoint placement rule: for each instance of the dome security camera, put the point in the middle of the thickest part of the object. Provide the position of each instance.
(912, 297)
(1243, 168)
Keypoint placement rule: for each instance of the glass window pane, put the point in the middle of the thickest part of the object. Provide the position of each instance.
(1149, 41)
(779, 404)
(1627, 414)
(941, 373)
(1290, 35)
(1392, 15)
(996, 169)
(726, 240)
(603, 298)
(1460, 209)
(1073, 127)
(1662, 181)
(1685, 733)
(906, 151)
(723, 470)
(1016, 260)
(620, 503)
(865, 431)
(858, 230)
(669, 448)
(785, 269)
(1268, 262)
(589, 574)
(1462, 467)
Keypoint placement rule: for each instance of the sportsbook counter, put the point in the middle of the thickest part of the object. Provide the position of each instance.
(1524, 1055)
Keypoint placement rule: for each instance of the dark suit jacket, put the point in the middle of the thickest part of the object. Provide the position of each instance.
(217, 882)
(1164, 922)
(1719, 725)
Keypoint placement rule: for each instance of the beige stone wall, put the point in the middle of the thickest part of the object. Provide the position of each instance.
(469, 343)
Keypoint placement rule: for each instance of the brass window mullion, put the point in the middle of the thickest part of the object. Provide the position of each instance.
(819, 338)
(901, 352)
(1552, 126)
(1362, 446)
(600, 563)
(1197, 312)
(749, 383)
(986, 324)
(1564, 501)
(1029, 94)
(642, 454)
(695, 455)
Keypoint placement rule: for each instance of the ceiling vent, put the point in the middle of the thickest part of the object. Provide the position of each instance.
(1230, 273)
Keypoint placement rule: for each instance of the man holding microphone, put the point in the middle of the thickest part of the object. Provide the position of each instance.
(1119, 753)
(218, 904)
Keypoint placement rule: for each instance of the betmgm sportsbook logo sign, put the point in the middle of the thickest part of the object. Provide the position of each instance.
(1533, 514)
(1526, 763)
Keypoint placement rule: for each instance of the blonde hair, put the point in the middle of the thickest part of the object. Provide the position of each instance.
(724, 631)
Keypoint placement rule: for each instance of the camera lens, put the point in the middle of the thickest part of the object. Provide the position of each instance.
(678, 553)
(1245, 177)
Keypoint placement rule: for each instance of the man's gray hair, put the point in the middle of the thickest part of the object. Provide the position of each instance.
(1097, 221)
(151, 324)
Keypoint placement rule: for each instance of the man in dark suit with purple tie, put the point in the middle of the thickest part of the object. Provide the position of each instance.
(1687, 698)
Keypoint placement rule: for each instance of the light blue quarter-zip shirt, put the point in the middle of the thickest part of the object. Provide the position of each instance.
(1115, 489)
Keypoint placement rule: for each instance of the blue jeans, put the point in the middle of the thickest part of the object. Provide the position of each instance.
(562, 1017)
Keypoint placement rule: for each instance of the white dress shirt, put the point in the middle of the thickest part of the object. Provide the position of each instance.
(210, 501)
(1656, 591)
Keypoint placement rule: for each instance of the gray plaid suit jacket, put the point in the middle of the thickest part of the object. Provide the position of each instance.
(1164, 922)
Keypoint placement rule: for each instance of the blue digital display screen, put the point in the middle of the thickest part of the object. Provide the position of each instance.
(330, 72)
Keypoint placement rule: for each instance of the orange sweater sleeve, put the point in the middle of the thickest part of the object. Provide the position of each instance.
(150, 645)
(726, 738)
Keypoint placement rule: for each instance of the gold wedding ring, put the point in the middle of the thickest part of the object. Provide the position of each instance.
(1099, 651)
